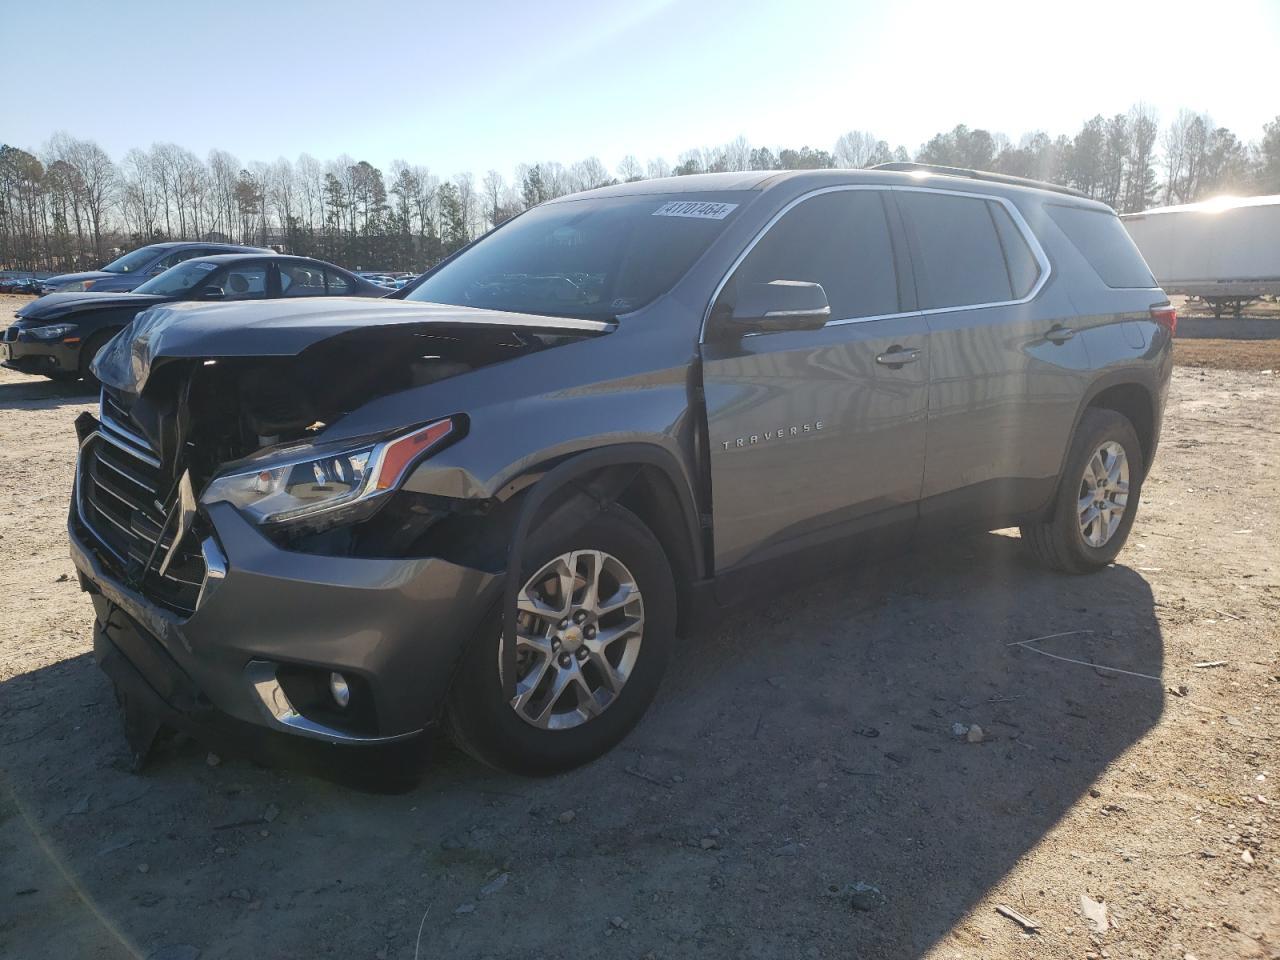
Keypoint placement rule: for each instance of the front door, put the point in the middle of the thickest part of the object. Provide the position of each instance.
(818, 434)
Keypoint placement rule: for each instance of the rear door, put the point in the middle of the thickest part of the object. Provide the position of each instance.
(1006, 369)
(817, 434)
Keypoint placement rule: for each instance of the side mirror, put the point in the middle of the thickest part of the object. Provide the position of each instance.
(212, 293)
(781, 305)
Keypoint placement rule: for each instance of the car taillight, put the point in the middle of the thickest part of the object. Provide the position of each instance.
(1167, 317)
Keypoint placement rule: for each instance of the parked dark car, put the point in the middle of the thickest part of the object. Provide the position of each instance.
(20, 285)
(60, 334)
(127, 272)
(496, 498)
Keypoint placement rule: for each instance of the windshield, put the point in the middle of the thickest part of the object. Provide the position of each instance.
(133, 261)
(584, 258)
(178, 280)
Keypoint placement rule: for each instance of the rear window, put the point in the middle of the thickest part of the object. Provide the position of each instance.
(1103, 241)
(960, 252)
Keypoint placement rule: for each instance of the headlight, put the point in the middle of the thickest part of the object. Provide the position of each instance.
(53, 331)
(69, 287)
(87, 284)
(345, 481)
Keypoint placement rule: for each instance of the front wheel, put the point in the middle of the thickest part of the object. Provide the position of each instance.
(595, 620)
(92, 347)
(1097, 497)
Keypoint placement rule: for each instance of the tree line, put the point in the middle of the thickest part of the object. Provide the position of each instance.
(71, 206)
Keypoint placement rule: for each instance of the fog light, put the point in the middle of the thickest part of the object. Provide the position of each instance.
(338, 687)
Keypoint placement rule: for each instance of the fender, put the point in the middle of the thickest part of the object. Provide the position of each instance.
(565, 472)
(1142, 376)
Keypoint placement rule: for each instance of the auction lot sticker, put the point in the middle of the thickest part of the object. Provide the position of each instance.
(697, 209)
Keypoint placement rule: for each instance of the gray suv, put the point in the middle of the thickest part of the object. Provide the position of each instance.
(495, 499)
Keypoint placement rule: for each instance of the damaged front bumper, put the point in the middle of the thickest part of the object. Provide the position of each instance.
(271, 625)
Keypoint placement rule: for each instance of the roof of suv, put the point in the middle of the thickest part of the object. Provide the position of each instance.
(961, 180)
(253, 254)
(170, 244)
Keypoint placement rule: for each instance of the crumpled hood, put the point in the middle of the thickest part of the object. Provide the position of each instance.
(283, 328)
(54, 306)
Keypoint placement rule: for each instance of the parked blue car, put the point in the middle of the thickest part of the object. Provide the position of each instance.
(136, 266)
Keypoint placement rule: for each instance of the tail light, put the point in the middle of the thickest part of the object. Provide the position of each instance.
(1167, 317)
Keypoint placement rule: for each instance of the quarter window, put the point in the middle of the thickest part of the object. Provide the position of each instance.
(840, 240)
(958, 249)
(1023, 268)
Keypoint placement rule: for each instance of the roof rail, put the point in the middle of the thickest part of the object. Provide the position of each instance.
(907, 167)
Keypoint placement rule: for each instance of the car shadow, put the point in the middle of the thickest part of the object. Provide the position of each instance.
(804, 785)
(40, 393)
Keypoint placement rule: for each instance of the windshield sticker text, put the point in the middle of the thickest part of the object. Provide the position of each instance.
(697, 209)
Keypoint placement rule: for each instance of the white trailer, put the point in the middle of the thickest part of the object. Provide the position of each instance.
(1226, 251)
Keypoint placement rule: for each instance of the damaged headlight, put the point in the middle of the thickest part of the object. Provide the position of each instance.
(333, 482)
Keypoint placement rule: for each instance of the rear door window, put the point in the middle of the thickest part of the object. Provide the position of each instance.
(339, 284)
(960, 259)
(247, 281)
(840, 240)
(300, 279)
(1102, 240)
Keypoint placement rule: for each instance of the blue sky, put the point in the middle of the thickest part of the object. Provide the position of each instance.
(468, 86)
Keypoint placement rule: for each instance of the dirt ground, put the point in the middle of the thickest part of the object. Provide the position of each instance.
(1228, 354)
(798, 789)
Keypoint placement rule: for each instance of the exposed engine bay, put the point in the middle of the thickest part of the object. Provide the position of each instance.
(219, 410)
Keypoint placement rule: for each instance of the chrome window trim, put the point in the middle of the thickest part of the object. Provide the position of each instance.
(1019, 222)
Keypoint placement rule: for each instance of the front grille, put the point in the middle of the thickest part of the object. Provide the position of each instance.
(124, 499)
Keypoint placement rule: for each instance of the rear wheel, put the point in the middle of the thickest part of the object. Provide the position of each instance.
(594, 624)
(1097, 497)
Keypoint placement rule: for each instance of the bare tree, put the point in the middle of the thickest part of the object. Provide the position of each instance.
(494, 188)
(858, 148)
(97, 180)
(657, 168)
(629, 169)
(736, 154)
(1140, 179)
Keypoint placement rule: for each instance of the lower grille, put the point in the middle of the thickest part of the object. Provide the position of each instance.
(124, 499)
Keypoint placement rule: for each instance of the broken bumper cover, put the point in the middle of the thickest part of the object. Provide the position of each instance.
(270, 623)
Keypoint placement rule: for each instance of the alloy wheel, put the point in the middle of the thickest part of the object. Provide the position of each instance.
(579, 627)
(1104, 494)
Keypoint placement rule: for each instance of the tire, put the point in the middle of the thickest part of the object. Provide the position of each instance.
(487, 726)
(90, 350)
(1061, 543)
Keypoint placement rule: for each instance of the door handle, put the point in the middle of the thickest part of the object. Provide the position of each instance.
(897, 356)
(1059, 334)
